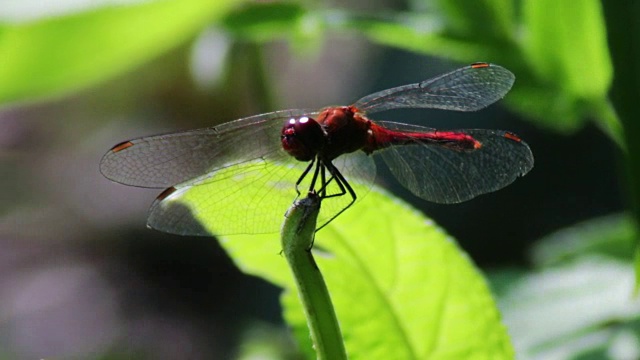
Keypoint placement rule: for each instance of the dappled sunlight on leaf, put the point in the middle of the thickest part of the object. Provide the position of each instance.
(401, 287)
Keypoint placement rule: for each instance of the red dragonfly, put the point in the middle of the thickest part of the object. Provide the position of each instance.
(241, 176)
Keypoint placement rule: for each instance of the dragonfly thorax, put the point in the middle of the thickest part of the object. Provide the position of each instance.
(347, 130)
(336, 130)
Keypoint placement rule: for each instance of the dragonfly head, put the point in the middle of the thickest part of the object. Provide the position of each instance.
(303, 138)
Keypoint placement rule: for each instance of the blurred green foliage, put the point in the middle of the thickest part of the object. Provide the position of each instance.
(54, 56)
(578, 300)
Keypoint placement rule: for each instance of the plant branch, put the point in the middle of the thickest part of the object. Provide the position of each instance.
(298, 234)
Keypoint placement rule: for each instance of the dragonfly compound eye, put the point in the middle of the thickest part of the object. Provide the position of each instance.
(303, 138)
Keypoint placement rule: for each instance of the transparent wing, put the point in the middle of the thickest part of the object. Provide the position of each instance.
(443, 174)
(165, 160)
(466, 89)
(251, 197)
(234, 178)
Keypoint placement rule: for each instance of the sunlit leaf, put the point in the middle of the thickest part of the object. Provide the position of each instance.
(251, 197)
(565, 43)
(57, 55)
(401, 287)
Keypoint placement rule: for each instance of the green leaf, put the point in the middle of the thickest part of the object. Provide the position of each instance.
(422, 34)
(264, 21)
(549, 107)
(252, 196)
(54, 56)
(566, 46)
(400, 286)
(270, 21)
(419, 32)
(568, 311)
(612, 236)
(489, 20)
(579, 303)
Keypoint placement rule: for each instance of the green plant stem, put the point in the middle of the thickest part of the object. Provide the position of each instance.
(623, 28)
(298, 233)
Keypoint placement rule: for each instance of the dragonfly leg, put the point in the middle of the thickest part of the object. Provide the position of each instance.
(322, 192)
(341, 186)
(304, 174)
(318, 170)
(345, 188)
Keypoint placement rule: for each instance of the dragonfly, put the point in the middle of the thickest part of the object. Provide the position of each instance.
(241, 176)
